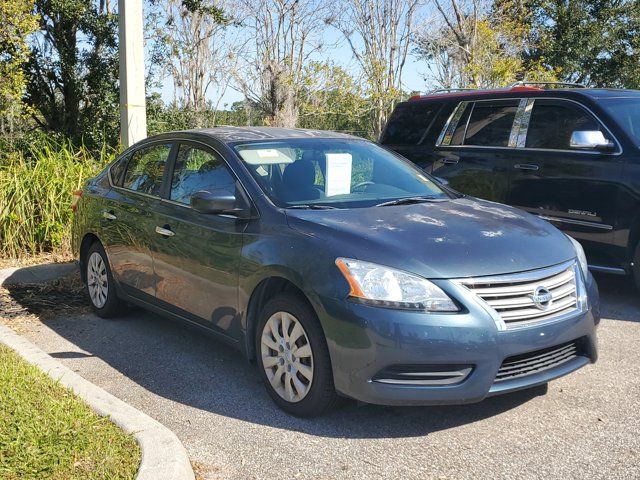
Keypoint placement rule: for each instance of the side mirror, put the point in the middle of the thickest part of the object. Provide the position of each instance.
(591, 140)
(442, 181)
(220, 201)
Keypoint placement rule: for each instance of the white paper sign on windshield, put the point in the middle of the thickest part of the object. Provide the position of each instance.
(338, 177)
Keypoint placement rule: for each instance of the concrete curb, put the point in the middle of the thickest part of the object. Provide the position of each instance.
(163, 456)
(36, 273)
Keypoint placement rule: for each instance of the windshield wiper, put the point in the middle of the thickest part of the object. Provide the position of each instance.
(311, 207)
(410, 200)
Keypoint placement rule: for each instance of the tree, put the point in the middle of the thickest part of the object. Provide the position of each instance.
(18, 22)
(379, 36)
(596, 42)
(73, 70)
(281, 37)
(333, 100)
(468, 44)
(195, 51)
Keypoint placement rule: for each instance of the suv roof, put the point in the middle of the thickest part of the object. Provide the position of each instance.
(530, 90)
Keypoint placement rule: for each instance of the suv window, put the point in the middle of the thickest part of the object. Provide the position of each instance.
(409, 123)
(553, 121)
(197, 170)
(491, 123)
(146, 168)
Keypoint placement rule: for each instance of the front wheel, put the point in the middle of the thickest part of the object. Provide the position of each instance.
(293, 357)
(99, 283)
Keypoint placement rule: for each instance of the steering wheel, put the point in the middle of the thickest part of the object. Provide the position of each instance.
(361, 185)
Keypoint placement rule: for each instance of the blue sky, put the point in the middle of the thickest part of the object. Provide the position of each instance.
(413, 73)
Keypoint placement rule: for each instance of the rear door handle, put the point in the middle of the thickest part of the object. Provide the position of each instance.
(108, 215)
(164, 231)
(450, 161)
(526, 166)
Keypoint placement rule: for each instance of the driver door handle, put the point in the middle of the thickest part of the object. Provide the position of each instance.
(526, 166)
(108, 215)
(450, 161)
(165, 232)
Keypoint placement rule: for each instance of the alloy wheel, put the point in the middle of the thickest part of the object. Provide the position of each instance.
(97, 282)
(287, 357)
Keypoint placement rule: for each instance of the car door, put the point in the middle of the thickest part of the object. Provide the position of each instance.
(127, 218)
(576, 189)
(472, 153)
(196, 256)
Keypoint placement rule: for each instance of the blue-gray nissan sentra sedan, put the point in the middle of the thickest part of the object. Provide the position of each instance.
(336, 265)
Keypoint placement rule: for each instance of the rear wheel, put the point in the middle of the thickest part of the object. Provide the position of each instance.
(99, 283)
(293, 357)
(636, 266)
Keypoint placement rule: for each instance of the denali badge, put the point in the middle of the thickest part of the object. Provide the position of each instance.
(542, 298)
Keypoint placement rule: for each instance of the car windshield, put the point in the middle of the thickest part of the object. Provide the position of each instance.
(626, 111)
(340, 173)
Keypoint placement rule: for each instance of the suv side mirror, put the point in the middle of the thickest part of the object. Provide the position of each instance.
(218, 201)
(591, 140)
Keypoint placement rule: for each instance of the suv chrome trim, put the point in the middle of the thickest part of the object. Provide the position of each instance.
(612, 270)
(450, 126)
(511, 298)
(583, 223)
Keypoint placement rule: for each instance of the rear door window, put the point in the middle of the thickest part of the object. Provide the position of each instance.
(145, 170)
(553, 121)
(199, 170)
(490, 123)
(410, 122)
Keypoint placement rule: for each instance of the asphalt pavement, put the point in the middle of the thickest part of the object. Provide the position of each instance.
(586, 426)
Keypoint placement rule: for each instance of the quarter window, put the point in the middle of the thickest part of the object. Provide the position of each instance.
(117, 170)
(553, 122)
(491, 123)
(146, 168)
(409, 123)
(198, 170)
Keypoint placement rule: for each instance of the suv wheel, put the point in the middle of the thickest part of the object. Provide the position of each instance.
(293, 357)
(99, 283)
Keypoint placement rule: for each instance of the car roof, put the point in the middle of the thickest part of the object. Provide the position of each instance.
(526, 91)
(229, 134)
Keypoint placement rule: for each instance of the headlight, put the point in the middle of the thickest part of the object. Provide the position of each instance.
(582, 259)
(391, 288)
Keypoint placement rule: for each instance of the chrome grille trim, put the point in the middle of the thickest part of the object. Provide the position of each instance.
(509, 297)
(535, 362)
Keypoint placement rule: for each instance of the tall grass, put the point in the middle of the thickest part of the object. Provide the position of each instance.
(35, 195)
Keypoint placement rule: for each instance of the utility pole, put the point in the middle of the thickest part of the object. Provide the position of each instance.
(133, 114)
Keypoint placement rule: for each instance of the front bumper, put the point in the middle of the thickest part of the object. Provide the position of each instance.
(365, 340)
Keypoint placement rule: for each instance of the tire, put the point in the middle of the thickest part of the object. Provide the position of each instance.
(636, 266)
(103, 296)
(309, 394)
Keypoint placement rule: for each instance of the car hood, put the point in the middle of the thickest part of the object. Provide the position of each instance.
(448, 239)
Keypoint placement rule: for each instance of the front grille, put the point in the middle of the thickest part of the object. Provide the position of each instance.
(539, 361)
(513, 297)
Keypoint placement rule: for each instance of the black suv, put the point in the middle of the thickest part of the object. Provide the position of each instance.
(569, 155)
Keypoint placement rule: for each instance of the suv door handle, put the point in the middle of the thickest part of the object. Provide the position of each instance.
(108, 215)
(164, 231)
(526, 166)
(450, 161)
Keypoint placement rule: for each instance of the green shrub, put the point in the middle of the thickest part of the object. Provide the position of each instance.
(36, 194)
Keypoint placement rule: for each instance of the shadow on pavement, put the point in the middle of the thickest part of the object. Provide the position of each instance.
(620, 300)
(180, 364)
